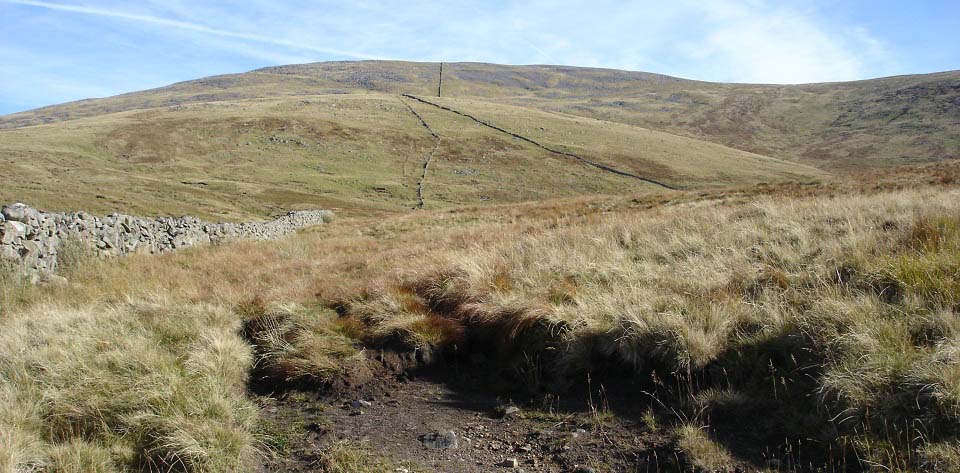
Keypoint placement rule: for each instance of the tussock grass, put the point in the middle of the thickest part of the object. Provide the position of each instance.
(150, 385)
(843, 311)
(347, 457)
(834, 317)
(298, 347)
(701, 451)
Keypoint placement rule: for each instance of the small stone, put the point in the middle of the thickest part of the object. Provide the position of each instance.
(357, 412)
(440, 440)
(54, 280)
(8, 252)
(32, 249)
(508, 412)
(510, 463)
(360, 403)
(17, 211)
(12, 230)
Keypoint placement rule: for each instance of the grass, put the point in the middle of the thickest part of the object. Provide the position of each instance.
(355, 154)
(701, 451)
(297, 347)
(144, 384)
(839, 126)
(751, 305)
(676, 160)
(346, 457)
(735, 290)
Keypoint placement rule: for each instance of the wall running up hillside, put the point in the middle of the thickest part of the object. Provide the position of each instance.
(32, 238)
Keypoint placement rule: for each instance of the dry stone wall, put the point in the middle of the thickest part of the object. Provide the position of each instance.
(32, 238)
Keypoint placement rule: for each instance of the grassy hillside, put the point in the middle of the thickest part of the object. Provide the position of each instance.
(879, 122)
(646, 268)
(359, 153)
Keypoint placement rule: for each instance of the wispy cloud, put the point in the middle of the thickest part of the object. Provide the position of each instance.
(113, 46)
(760, 42)
(199, 28)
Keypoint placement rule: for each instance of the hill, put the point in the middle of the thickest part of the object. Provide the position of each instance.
(607, 271)
(371, 152)
(836, 126)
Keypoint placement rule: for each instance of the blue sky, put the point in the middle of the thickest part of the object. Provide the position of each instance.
(56, 51)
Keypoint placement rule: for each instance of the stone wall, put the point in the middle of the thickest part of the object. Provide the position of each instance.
(32, 238)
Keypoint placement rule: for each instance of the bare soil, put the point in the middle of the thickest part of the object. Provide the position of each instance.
(402, 407)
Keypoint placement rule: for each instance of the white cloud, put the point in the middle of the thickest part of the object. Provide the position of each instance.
(787, 41)
(195, 27)
(753, 42)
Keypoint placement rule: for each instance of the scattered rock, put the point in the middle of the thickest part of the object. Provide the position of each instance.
(510, 463)
(360, 403)
(508, 412)
(440, 440)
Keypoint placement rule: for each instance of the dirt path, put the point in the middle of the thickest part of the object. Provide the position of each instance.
(544, 147)
(429, 158)
(426, 424)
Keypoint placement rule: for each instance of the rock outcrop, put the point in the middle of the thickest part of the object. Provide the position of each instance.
(32, 238)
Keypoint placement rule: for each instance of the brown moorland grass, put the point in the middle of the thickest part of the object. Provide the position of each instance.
(855, 282)
(847, 125)
(838, 316)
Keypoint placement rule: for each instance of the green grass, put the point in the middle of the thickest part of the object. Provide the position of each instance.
(896, 120)
(361, 154)
(347, 457)
(256, 144)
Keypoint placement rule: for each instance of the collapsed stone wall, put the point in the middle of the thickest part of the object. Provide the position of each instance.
(32, 238)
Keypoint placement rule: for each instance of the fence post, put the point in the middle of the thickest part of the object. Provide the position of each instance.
(440, 85)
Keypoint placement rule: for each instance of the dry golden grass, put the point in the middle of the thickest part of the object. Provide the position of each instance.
(860, 285)
(864, 287)
(152, 385)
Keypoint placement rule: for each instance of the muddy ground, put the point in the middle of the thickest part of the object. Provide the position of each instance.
(449, 420)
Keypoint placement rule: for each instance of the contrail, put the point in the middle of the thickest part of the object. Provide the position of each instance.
(183, 25)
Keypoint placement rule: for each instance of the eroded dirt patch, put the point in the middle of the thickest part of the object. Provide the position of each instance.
(408, 419)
